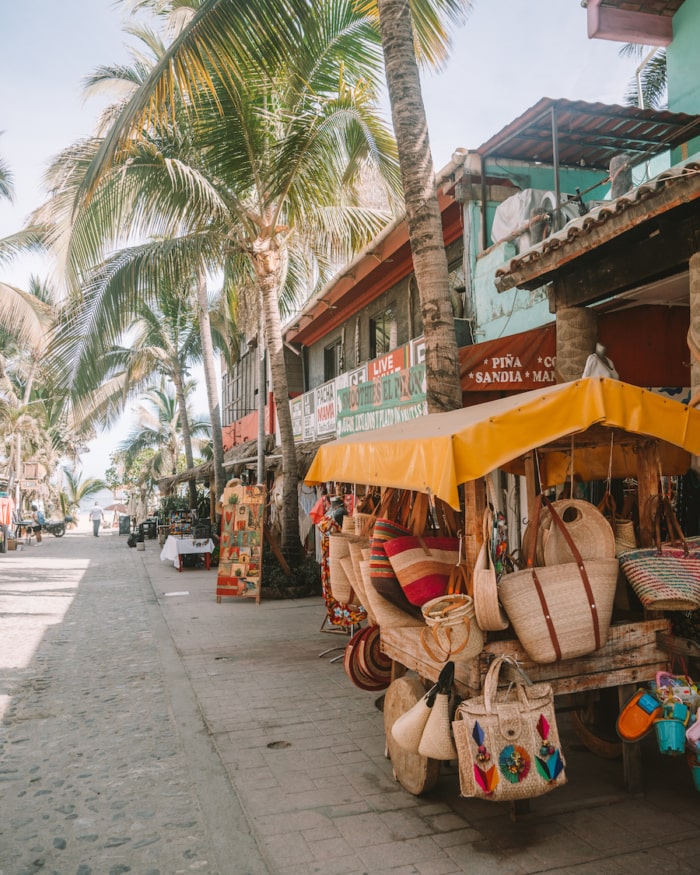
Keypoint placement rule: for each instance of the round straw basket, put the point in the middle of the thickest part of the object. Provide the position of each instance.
(454, 613)
(625, 538)
(566, 614)
(589, 530)
(388, 616)
(364, 523)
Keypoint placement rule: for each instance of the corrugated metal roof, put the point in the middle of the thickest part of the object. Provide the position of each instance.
(681, 174)
(589, 134)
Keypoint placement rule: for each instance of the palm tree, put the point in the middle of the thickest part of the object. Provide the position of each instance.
(157, 438)
(422, 209)
(7, 189)
(272, 159)
(75, 489)
(648, 89)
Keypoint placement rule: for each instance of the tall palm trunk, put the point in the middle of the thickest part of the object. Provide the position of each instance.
(202, 308)
(422, 208)
(186, 433)
(267, 261)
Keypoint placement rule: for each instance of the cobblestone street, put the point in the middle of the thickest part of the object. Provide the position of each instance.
(148, 729)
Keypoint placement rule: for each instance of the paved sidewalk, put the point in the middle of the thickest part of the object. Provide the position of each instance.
(222, 743)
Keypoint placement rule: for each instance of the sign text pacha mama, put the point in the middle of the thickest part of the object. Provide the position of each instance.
(393, 398)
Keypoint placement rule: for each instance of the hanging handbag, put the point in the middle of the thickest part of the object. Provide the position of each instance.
(451, 628)
(560, 611)
(507, 739)
(407, 730)
(489, 614)
(436, 741)
(665, 577)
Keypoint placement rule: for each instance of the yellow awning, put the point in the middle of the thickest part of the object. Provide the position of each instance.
(438, 452)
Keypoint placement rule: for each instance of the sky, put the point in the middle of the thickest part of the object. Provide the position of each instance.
(508, 55)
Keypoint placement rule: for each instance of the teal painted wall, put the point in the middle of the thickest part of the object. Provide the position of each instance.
(683, 67)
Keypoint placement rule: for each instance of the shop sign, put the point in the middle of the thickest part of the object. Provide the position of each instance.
(518, 362)
(324, 402)
(394, 397)
(308, 417)
(393, 361)
(417, 351)
(295, 407)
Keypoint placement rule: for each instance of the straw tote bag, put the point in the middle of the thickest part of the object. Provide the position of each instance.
(588, 528)
(560, 611)
(407, 731)
(507, 739)
(422, 565)
(665, 577)
(489, 614)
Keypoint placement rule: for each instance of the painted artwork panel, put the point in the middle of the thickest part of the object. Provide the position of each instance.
(240, 550)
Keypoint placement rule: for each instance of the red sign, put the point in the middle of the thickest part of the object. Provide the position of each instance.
(387, 364)
(515, 363)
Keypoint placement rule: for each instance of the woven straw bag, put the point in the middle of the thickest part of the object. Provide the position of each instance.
(356, 548)
(489, 614)
(665, 577)
(341, 586)
(507, 739)
(560, 611)
(387, 615)
(625, 537)
(408, 729)
(452, 629)
(588, 528)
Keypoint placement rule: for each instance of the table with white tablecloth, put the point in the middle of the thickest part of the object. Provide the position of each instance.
(174, 548)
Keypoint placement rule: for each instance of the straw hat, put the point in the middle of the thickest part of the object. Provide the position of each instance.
(373, 662)
(353, 661)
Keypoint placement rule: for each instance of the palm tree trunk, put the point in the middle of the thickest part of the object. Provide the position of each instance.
(422, 208)
(266, 259)
(186, 433)
(202, 307)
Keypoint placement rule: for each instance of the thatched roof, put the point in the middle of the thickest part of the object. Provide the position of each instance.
(242, 455)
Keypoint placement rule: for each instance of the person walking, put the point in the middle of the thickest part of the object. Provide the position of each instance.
(96, 517)
(39, 520)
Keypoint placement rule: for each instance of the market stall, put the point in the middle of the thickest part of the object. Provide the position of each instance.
(592, 428)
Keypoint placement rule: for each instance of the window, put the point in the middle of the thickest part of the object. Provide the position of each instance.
(382, 333)
(333, 360)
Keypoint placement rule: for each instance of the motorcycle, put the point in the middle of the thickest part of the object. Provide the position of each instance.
(57, 528)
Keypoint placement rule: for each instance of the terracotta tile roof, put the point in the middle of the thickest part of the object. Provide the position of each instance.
(684, 177)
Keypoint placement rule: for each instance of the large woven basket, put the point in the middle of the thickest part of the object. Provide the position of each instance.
(387, 615)
(562, 623)
(589, 529)
(341, 585)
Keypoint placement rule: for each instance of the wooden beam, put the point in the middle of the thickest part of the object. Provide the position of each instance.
(605, 22)
(660, 249)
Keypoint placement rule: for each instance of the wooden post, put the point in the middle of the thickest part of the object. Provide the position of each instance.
(474, 504)
(647, 489)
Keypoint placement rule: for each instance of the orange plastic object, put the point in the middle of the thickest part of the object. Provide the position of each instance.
(637, 717)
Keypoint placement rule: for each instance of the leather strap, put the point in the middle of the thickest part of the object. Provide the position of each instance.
(556, 519)
(547, 616)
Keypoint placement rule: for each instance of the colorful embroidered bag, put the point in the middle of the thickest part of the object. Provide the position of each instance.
(507, 739)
